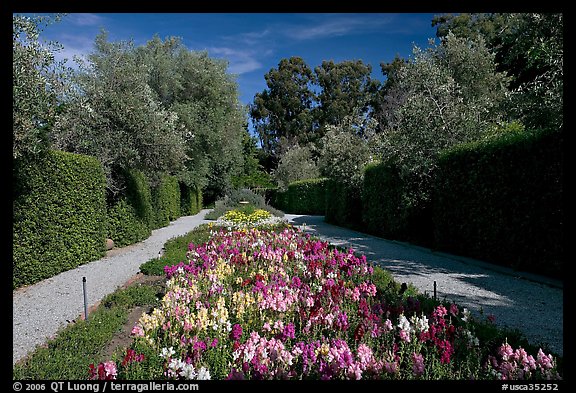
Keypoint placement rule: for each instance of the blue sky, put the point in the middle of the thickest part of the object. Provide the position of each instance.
(255, 43)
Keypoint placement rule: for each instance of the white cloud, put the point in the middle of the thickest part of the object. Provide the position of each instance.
(74, 45)
(240, 61)
(338, 26)
(85, 19)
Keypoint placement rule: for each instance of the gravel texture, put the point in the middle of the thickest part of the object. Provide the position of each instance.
(42, 309)
(529, 303)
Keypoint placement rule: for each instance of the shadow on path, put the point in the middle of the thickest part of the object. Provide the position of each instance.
(534, 308)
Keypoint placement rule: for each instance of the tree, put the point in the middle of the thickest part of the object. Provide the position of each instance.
(449, 94)
(345, 87)
(284, 109)
(253, 173)
(205, 98)
(529, 47)
(345, 151)
(296, 163)
(37, 85)
(114, 115)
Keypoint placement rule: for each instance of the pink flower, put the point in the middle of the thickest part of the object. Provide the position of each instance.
(236, 332)
(417, 364)
(545, 362)
(104, 371)
(137, 331)
(492, 318)
(506, 351)
(404, 336)
(453, 309)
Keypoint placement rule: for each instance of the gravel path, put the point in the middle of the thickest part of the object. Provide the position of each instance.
(533, 305)
(530, 303)
(42, 309)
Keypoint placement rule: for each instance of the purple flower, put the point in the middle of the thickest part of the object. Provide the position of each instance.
(417, 364)
(236, 332)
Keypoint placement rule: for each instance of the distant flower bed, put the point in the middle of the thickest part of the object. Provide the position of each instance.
(259, 304)
(236, 219)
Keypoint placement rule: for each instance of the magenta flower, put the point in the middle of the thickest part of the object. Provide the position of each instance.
(236, 332)
(417, 364)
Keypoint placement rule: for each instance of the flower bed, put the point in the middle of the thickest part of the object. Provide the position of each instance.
(260, 304)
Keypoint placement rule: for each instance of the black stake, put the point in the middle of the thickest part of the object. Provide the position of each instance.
(85, 299)
(435, 290)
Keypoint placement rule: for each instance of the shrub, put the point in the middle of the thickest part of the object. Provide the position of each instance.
(389, 209)
(307, 196)
(500, 200)
(343, 205)
(59, 215)
(232, 201)
(130, 217)
(166, 201)
(190, 200)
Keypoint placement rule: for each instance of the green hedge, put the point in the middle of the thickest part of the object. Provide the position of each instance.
(501, 201)
(343, 205)
(166, 201)
(131, 218)
(307, 197)
(190, 200)
(389, 210)
(59, 215)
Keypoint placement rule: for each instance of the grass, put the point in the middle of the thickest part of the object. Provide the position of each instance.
(69, 355)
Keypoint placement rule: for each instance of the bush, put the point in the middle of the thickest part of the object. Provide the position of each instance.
(166, 201)
(130, 217)
(307, 196)
(500, 200)
(190, 200)
(232, 201)
(59, 215)
(388, 208)
(343, 205)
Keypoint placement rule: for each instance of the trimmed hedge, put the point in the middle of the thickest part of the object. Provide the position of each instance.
(307, 196)
(190, 200)
(501, 201)
(343, 205)
(388, 211)
(130, 219)
(166, 201)
(59, 215)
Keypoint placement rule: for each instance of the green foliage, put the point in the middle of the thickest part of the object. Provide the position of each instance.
(190, 200)
(175, 250)
(387, 211)
(59, 215)
(500, 200)
(253, 173)
(307, 197)
(130, 216)
(344, 88)
(166, 201)
(295, 164)
(37, 82)
(284, 111)
(529, 48)
(343, 205)
(68, 356)
(114, 115)
(232, 200)
(345, 151)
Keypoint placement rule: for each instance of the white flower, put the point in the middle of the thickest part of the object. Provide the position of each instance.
(420, 324)
(167, 352)
(203, 374)
(404, 324)
(465, 315)
(188, 372)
